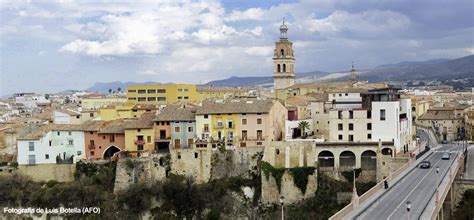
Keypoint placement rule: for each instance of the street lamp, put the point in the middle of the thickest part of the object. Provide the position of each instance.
(282, 202)
(408, 209)
(437, 183)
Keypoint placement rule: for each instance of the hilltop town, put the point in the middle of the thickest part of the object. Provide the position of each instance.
(236, 152)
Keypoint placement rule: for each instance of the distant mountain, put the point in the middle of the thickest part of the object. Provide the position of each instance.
(235, 81)
(102, 87)
(440, 69)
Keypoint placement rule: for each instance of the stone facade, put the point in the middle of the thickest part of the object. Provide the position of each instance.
(283, 62)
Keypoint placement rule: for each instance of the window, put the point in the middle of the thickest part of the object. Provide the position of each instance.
(340, 127)
(369, 114)
(369, 126)
(284, 68)
(230, 135)
(103, 137)
(71, 142)
(351, 127)
(140, 147)
(92, 153)
(177, 129)
(190, 129)
(132, 98)
(282, 52)
(244, 121)
(79, 152)
(31, 146)
(259, 135)
(139, 130)
(382, 114)
(151, 91)
(161, 99)
(141, 91)
(112, 138)
(152, 99)
(161, 91)
(339, 114)
(180, 97)
(206, 116)
(148, 139)
(278, 68)
(346, 94)
(50, 143)
(78, 116)
(206, 127)
(351, 114)
(244, 134)
(91, 114)
(340, 137)
(190, 142)
(259, 121)
(59, 133)
(186, 97)
(369, 136)
(230, 124)
(351, 138)
(141, 99)
(132, 91)
(46, 156)
(259, 113)
(196, 155)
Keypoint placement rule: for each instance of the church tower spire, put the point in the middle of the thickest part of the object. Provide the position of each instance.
(283, 61)
(353, 72)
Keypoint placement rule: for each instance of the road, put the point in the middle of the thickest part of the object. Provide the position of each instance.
(418, 187)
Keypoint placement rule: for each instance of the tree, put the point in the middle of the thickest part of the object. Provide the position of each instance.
(110, 90)
(303, 125)
(46, 96)
(119, 89)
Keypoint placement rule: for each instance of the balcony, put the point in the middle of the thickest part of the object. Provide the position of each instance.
(219, 126)
(139, 142)
(91, 146)
(205, 130)
(163, 139)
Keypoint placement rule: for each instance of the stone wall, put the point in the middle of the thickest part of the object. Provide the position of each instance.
(192, 162)
(238, 162)
(292, 194)
(387, 165)
(47, 172)
(297, 153)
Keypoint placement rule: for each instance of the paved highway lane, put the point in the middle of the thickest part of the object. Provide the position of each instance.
(417, 187)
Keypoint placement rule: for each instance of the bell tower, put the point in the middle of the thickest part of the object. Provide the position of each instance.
(283, 61)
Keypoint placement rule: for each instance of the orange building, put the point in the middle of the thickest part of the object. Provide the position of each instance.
(104, 138)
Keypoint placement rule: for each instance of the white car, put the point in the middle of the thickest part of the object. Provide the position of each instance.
(446, 156)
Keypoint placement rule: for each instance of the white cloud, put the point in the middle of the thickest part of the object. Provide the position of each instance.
(259, 51)
(249, 14)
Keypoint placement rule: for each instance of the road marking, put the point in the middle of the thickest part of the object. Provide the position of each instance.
(404, 199)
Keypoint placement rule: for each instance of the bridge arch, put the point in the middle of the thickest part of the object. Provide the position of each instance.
(326, 159)
(347, 160)
(110, 151)
(369, 160)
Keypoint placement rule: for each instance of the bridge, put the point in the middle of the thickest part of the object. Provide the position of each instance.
(426, 190)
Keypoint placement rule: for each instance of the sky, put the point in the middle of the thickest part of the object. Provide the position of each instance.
(50, 46)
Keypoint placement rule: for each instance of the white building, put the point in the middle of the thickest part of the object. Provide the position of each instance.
(30, 100)
(66, 116)
(364, 117)
(51, 145)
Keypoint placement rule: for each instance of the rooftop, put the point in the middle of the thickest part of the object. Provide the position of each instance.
(235, 106)
(176, 113)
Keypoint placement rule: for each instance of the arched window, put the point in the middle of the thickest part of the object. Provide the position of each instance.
(278, 68)
(282, 52)
(284, 68)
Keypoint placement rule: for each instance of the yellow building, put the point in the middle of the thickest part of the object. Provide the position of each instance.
(139, 134)
(162, 94)
(114, 112)
(98, 102)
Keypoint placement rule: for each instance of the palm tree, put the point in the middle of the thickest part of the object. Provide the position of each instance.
(303, 125)
(119, 89)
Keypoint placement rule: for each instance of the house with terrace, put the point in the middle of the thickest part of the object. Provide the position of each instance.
(175, 127)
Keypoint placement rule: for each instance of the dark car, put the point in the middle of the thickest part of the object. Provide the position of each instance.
(425, 164)
(444, 142)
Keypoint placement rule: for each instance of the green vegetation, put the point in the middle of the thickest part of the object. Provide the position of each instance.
(303, 125)
(349, 175)
(300, 175)
(465, 208)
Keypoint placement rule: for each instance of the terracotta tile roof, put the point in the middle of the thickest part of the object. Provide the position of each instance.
(35, 132)
(440, 114)
(300, 100)
(176, 113)
(235, 106)
(145, 121)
